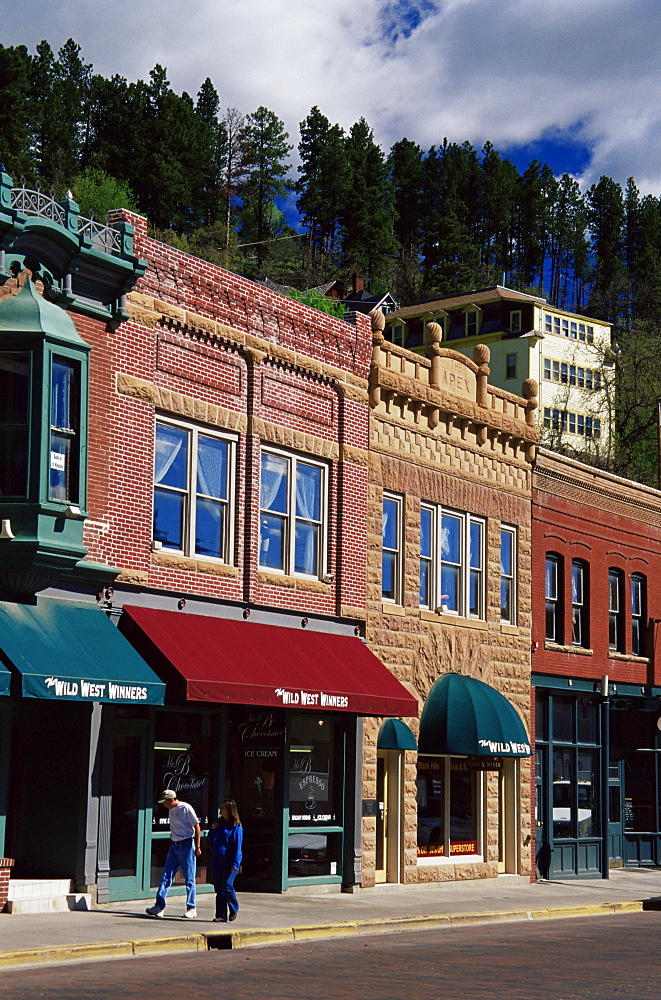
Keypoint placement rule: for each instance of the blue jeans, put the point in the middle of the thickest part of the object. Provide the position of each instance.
(223, 883)
(182, 856)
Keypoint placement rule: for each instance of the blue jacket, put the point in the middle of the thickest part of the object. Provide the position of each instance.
(226, 842)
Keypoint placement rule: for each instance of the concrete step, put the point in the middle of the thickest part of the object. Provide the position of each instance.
(44, 896)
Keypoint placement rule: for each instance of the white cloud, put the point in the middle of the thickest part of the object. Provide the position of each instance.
(509, 71)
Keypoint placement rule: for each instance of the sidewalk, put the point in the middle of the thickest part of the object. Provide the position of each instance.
(124, 930)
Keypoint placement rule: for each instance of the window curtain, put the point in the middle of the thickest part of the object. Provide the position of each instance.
(167, 450)
(212, 468)
(307, 508)
(274, 471)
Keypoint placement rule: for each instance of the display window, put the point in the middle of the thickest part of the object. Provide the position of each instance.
(449, 795)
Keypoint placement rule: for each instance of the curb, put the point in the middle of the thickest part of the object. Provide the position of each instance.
(262, 937)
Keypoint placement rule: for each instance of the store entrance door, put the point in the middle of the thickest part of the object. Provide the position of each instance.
(615, 805)
(507, 818)
(128, 842)
(388, 815)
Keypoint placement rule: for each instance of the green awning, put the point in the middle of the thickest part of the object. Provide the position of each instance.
(70, 652)
(466, 717)
(395, 735)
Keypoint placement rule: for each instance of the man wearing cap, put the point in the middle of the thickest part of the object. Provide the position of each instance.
(184, 848)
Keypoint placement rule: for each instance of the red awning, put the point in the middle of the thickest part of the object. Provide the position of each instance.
(244, 663)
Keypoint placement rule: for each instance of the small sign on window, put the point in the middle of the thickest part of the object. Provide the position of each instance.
(57, 461)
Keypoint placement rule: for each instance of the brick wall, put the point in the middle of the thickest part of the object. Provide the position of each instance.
(606, 522)
(208, 346)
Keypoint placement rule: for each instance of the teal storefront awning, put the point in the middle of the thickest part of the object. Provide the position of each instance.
(465, 717)
(395, 735)
(68, 652)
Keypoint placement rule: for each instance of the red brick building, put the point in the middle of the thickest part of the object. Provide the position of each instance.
(596, 607)
(211, 499)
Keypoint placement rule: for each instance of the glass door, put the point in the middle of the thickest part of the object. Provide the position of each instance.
(127, 819)
(381, 873)
(615, 802)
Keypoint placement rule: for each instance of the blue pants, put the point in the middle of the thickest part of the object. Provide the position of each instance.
(182, 856)
(223, 883)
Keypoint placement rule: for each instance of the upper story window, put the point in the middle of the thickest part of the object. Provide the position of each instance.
(510, 366)
(397, 333)
(14, 422)
(64, 454)
(391, 556)
(452, 561)
(472, 322)
(193, 472)
(579, 602)
(515, 321)
(508, 575)
(638, 611)
(569, 374)
(615, 611)
(554, 630)
(292, 514)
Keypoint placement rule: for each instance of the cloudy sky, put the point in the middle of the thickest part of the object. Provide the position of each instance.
(575, 83)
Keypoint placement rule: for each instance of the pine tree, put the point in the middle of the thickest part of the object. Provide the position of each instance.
(322, 188)
(16, 113)
(606, 223)
(212, 155)
(367, 236)
(265, 151)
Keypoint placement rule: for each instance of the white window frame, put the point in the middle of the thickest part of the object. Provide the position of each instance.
(465, 571)
(190, 493)
(515, 321)
(477, 790)
(509, 578)
(468, 316)
(291, 517)
(396, 550)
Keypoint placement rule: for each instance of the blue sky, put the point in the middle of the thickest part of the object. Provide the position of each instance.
(575, 83)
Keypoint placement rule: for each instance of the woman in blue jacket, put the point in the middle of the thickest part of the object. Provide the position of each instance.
(226, 839)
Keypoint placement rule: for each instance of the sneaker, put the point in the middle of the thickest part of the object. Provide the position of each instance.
(154, 911)
(190, 913)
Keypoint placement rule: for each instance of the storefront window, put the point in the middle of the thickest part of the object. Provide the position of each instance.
(255, 752)
(448, 792)
(182, 763)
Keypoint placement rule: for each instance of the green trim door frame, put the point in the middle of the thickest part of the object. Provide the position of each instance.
(130, 843)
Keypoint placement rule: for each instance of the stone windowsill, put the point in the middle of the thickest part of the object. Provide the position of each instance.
(555, 647)
(445, 619)
(627, 657)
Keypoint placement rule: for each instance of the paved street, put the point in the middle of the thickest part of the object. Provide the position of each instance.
(599, 958)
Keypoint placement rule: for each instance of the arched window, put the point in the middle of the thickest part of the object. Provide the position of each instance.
(615, 610)
(638, 612)
(554, 630)
(579, 603)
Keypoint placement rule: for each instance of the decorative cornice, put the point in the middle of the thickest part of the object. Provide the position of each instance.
(180, 405)
(151, 312)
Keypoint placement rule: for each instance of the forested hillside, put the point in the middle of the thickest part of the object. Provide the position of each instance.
(218, 183)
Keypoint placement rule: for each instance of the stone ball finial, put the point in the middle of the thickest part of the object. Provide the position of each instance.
(481, 354)
(378, 321)
(530, 388)
(433, 333)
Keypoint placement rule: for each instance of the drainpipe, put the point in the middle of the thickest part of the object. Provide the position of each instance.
(605, 759)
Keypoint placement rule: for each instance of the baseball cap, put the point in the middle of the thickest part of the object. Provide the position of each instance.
(167, 794)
